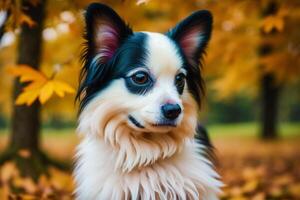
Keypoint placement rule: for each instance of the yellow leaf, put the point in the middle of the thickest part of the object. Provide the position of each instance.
(27, 97)
(39, 85)
(250, 186)
(61, 88)
(46, 92)
(35, 85)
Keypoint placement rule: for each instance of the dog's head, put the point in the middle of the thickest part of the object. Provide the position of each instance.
(140, 84)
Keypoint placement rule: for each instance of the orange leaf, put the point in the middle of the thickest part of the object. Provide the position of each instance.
(8, 171)
(24, 153)
(273, 22)
(25, 183)
(26, 73)
(25, 19)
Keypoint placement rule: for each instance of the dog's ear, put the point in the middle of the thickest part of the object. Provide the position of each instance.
(192, 35)
(105, 31)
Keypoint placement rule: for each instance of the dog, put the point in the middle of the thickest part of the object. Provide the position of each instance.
(139, 94)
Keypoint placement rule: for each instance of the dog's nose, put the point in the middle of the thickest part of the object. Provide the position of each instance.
(171, 111)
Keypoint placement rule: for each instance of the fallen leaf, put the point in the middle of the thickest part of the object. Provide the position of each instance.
(8, 171)
(250, 186)
(24, 153)
(294, 189)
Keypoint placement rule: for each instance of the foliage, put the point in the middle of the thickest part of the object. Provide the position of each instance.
(233, 64)
(40, 86)
(56, 184)
(259, 171)
(233, 56)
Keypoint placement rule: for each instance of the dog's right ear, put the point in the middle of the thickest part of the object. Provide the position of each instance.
(105, 31)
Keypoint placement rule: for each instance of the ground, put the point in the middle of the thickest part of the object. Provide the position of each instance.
(250, 168)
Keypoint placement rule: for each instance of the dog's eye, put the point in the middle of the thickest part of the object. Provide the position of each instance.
(179, 82)
(140, 78)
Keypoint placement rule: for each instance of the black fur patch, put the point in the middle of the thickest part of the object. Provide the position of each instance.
(201, 21)
(96, 75)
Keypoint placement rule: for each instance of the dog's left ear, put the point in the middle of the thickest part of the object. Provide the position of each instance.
(192, 35)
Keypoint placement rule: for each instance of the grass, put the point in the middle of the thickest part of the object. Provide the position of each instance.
(251, 130)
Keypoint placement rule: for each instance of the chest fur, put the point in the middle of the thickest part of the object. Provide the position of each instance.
(185, 175)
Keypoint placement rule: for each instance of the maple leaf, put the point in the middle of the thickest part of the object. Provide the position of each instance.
(39, 85)
(273, 22)
(26, 73)
(25, 19)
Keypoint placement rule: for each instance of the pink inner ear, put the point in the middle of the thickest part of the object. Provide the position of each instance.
(190, 42)
(106, 39)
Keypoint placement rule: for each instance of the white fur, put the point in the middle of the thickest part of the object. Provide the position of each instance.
(186, 175)
(117, 160)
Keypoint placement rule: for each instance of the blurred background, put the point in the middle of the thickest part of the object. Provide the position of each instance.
(251, 108)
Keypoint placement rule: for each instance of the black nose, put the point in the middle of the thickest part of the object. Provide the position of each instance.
(171, 111)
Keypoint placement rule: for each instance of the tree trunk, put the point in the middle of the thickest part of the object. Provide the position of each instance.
(270, 97)
(26, 119)
(269, 89)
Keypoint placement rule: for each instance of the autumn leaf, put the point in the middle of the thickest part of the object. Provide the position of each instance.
(60, 88)
(60, 179)
(46, 92)
(295, 189)
(25, 183)
(273, 22)
(26, 73)
(250, 186)
(8, 171)
(39, 85)
(25, 19)
(27, 97)
(24, 153)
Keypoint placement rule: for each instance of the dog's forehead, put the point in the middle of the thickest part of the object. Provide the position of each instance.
(162, 54)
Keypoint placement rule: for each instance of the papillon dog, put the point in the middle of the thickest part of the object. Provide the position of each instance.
(140, 94)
